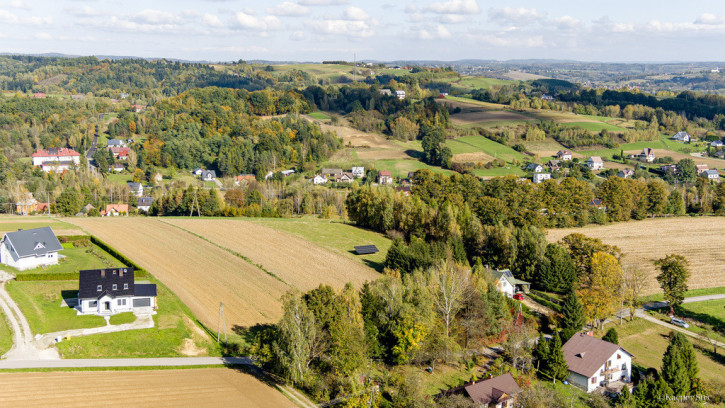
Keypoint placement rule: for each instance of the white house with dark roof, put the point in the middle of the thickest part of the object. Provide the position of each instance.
(594, 363)
(136, 188)
(208, 175)
(541, 177)
(105, 292)
(535, 167)
(711, 175)
(681, 136)
(358, 172)
(144, 203)
(564, 155)
(28, 249)
(595, 163)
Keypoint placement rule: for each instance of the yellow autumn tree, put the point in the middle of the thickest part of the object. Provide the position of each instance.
(600, 290)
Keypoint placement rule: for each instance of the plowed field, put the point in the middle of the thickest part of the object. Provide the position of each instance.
(213, 387)
(642, 242)
(202, 261)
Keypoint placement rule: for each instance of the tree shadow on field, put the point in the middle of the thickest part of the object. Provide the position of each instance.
(415, 154)
(378, 266)
(717, 324)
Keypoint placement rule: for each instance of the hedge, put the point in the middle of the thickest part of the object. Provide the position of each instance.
(139, 272)
(545, 302)
(47, 276)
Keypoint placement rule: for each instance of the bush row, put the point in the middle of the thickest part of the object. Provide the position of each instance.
(139, 272)
(545, 302)
(47, 276)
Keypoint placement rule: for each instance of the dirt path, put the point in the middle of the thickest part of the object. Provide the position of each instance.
(24, 348)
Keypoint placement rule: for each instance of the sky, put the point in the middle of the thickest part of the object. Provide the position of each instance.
(384, 30)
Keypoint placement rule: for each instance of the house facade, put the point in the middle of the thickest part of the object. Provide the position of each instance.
(120, 153)
(711, 175)
(385, 177)
(136, 189)
(507, 284)
(114, 210)
(144, 203)
(536, 168)
(701, 168)
(564, 155)
(681, 136)
(28, 249)
(208, 175)
(647, 155)
(63, 155)
(116, 143)
(541, 177)
(105, 292)
(595, 163)
(400, 95)
(358, 172)
(594, 363)
(319, 179)
(625, 173)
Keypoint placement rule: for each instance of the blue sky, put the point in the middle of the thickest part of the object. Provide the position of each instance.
(315, 30)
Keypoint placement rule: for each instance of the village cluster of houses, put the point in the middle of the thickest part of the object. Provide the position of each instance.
(55, 159)
(338, 176)
(102, 292)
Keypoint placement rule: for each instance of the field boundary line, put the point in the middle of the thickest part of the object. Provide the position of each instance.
(237, 254)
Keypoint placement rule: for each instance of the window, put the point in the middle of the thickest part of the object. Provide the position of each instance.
(125, 286)
(122, 302)
(115, 287)
(99, 288)
(619, 356)
(594, 380)
(93, 303)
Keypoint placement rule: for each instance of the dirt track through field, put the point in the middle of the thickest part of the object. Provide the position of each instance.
(213, 387)
(198, 272)
(642, 242)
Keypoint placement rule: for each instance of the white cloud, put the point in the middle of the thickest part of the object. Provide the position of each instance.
(211, 20)
(567, 22)
(354, 29)
(149, 16)
(297, 36)
(7, 17)
(38, 21)
(322, 2)
(710, 19)
(516, 16)
(246, 21)
(454, 18)
(455, 7)
(18, 4)
(509, 41)
(429, 33)
(43, 36)
(288, 9)
(356, 14)
(84, 11)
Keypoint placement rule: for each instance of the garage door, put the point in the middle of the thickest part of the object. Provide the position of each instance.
(142, 302)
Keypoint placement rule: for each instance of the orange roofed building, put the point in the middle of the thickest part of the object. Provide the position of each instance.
(115, 210)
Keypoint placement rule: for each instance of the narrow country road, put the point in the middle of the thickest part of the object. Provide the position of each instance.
(125, 362)
(659, 305)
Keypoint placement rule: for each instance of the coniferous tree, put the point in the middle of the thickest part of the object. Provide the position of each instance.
(611, 336)
(640, 393)
(625, 399)
(573, 316)
(541, 353)
(657, 391)
(674, 370)
(687, 353)
(557, 366)
(557, 272)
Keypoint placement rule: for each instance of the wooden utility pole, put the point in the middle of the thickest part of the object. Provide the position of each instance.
(219, 326)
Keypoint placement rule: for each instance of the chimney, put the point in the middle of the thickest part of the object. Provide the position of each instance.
(103, 273)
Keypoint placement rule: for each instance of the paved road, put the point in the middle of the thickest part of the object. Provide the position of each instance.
(125, 362)
(692, 299)
(641, 314)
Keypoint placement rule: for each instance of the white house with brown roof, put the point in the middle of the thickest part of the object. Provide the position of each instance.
(701, 168)
(564, 155)
(498, 392)
(595, 363)
(647, 155)
(385, 177)
(56, 155)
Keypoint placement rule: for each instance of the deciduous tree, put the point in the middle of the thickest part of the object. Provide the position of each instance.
(673, 278)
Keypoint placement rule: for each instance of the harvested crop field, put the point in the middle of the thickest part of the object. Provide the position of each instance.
(210, 387)
(642, 242)
(198, 272)
(202, 262)
(480, 115)
(297, 262)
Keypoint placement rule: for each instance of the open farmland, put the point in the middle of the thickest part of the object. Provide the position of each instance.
(198, 272)
(295, 261)
(9, 223)
(642, 242)
(202, 262)
(154, 388)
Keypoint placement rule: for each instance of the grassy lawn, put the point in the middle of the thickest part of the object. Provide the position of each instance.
(481, 82)
(174, 323)
(335, 235)
(594, 126)
(319, 115)
(6, 335)
(401, 167)
(648, 341)
(491, 148)
(494, 106)
(8, 224)
(575, 396)
(41, 305)
(690, 293)
(445, 377)
(76, 259)
(120, 179)
(704, 314)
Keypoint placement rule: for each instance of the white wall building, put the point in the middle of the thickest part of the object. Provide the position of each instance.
(109, 291)
(594, 363)
(28, 249)
(56, 155)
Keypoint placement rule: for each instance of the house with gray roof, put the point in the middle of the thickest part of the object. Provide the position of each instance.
(681, 136)
(144, 203)
(208, 175)
(136, 188)
(507, 284)
(711, 175)
(498, 392)
(595, 363)
(28, 249)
